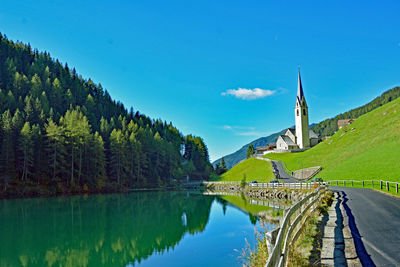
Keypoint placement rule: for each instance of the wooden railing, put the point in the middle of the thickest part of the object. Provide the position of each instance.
(291, 226)
(271, 185)
(382, 185)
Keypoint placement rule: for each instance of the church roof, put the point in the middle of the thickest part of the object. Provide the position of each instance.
(287, 140)
(300, 93)
(312, 134)
(292, 130)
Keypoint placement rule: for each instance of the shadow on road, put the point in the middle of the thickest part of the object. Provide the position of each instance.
(362, 253)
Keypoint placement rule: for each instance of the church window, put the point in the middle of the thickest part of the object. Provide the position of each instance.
(297, 112)
(304, 112)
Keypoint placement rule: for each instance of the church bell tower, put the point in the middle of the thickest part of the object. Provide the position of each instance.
(301, 115)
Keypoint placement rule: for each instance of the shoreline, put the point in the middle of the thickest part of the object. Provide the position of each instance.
(47, 194)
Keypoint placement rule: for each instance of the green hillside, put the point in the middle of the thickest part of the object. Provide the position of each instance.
(369, 148)
(62, 133)
(253, 169)
(324, 128)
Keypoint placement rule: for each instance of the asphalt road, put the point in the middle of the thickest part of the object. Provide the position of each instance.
(283, 176)
(374, 221)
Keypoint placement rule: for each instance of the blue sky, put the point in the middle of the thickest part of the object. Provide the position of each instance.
(177, 60)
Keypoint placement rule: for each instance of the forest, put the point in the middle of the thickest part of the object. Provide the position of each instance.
(61, 133)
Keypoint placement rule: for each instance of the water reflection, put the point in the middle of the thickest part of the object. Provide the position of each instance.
(109, 230)
(129, 229)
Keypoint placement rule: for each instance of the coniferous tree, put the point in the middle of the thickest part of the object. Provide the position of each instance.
(26, 151)
(250, 151)
(117, 159)
(7, 155)
(56, 148)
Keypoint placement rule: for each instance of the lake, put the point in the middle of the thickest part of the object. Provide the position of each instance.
(136, 229)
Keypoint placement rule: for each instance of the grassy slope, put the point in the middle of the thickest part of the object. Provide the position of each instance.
(371, 151)
(254, 169)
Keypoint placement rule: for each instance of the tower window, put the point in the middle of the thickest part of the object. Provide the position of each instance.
(297, 112)
(304, 112)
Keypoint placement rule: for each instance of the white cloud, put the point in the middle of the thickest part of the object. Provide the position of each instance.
(244, 130)
(249, 94)
(232, 128)
(252, 133)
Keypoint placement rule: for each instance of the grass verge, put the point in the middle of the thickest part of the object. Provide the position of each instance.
(369, 184)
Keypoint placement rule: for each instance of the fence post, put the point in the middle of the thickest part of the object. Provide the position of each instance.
(372, 181)
(381, 184)
(352, 183)
(363, 183)
(337, 182)
(344, 183)
(397, 188)
(387, 186)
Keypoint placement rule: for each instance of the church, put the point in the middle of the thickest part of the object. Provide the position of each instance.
(301, 137)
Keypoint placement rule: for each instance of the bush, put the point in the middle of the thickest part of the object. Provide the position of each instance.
(243, 181)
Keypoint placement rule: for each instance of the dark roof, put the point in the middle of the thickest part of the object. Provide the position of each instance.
(287, 140)
(312, 134)
(267, 147)
(292, 130)
(300, 93)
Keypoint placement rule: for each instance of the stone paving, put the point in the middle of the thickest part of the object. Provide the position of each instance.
(337, 243)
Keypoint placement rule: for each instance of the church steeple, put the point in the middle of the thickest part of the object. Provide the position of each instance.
(301, 115)
(300, 93)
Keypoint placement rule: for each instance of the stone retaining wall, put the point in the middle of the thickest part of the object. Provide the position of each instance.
(307, 173)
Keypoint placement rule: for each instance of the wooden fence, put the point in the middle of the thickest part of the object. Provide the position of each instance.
(291, 227)
(382, 185)
(271, 185)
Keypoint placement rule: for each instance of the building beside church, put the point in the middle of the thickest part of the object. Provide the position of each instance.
(301, 137)
(342, 123)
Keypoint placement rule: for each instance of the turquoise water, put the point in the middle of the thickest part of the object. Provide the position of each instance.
(137, 229)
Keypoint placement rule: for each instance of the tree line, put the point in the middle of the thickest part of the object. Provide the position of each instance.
(61, 132)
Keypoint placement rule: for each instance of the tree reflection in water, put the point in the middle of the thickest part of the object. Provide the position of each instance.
(101, 230)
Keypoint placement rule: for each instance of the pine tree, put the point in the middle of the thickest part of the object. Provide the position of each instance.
(250, 151)
(223, 166)
(36, 86)
(7, 158)
(77, 130)
(117, 149)
(26, 151)
(56, 149)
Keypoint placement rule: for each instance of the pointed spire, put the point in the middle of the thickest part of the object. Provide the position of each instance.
(300, 94)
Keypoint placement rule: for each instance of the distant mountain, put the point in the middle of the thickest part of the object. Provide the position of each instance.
(234, 158)
(324, 128)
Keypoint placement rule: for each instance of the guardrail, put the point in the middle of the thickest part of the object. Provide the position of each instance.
(273, 185)
(279, 254)
(383, 185)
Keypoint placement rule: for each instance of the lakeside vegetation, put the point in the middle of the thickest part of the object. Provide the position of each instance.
(364, 150)
(61, 133)
(250, 169)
